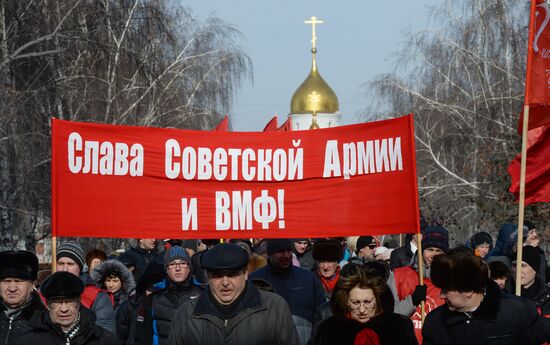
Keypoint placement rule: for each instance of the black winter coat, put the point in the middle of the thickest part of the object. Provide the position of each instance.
(260, 318)
(142, 258)
(500, 319)
(392, 329)
(401, 256)
(45, 332)
(160, 308)
(10, 330)
(129, 317)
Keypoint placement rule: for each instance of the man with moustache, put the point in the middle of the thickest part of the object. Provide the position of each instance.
(232, 310)
(65, 321)
(20, 302)
(300, 288)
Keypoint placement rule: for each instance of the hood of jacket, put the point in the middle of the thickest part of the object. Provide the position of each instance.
(117, 268)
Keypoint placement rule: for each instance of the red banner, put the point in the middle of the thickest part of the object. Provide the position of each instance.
(537, 179)
(138, 182)
(537, 80)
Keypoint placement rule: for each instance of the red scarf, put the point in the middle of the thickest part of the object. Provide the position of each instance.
(330, 283)
(367, 337)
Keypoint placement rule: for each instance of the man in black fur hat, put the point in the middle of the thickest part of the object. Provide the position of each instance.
(65, 321)
(18, 271)
(475, 310)
(327, 254)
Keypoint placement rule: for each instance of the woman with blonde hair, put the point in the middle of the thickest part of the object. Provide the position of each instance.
(362, 308)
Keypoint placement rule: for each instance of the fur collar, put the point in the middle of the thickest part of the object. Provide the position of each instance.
(100, 273)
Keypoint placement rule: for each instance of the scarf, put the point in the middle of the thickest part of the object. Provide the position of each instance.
(12, 314)
(366, 337)
(72, 331)
(330, 283)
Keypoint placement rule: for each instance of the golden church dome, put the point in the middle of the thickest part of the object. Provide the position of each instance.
(314, 95)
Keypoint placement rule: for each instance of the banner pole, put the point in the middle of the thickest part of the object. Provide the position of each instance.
(400, 240)
(519, 254)
(54, 250)
(420, 270)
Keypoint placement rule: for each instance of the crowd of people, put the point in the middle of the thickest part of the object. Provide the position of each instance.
(354, 290)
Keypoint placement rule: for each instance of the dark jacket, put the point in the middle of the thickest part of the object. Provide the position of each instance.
(142, 258)
(12, 328)
(45, 332)
(159, 311)
(129, 317)
(117, 268)
(539, 293)
(322, 313)
(306, 259)
(260, 318)
(500, 319)
(392, 329)
(402, 256)
(300, 289)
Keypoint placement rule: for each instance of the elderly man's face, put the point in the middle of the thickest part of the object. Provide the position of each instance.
(327, 268)
(15, 291)
(227, 286)
(64, 311)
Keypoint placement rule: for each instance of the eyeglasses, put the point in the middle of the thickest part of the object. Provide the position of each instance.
(355, 305)
(174, 265)
(372, 246)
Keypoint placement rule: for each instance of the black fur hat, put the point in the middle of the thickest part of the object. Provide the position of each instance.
(62, 285)
(18, 264)
(459, 271)
(327, 250)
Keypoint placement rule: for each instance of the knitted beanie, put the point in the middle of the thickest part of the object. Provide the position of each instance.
(72, 250)
(531, 257)
(175, 253)
(435, 237)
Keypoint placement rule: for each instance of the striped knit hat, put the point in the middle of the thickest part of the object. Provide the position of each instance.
(72, 250)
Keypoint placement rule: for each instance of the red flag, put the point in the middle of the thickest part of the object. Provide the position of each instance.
(285, 127)
(537, 83)
(537, 179)
(223, 126)
(271, 125)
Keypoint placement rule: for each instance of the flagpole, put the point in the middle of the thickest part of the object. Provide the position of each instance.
(54, 250)
(420, 271)
(524, 130)
(519, 254)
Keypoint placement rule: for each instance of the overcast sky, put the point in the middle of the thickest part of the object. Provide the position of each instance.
(358, 40)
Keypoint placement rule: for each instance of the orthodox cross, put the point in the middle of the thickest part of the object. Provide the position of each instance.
(313, 20)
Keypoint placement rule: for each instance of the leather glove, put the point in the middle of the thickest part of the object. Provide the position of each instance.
(419, 294)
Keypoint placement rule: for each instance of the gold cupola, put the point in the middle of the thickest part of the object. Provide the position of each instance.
(314, 96)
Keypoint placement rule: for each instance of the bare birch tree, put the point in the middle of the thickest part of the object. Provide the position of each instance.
(138, 62)
(465, 85)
